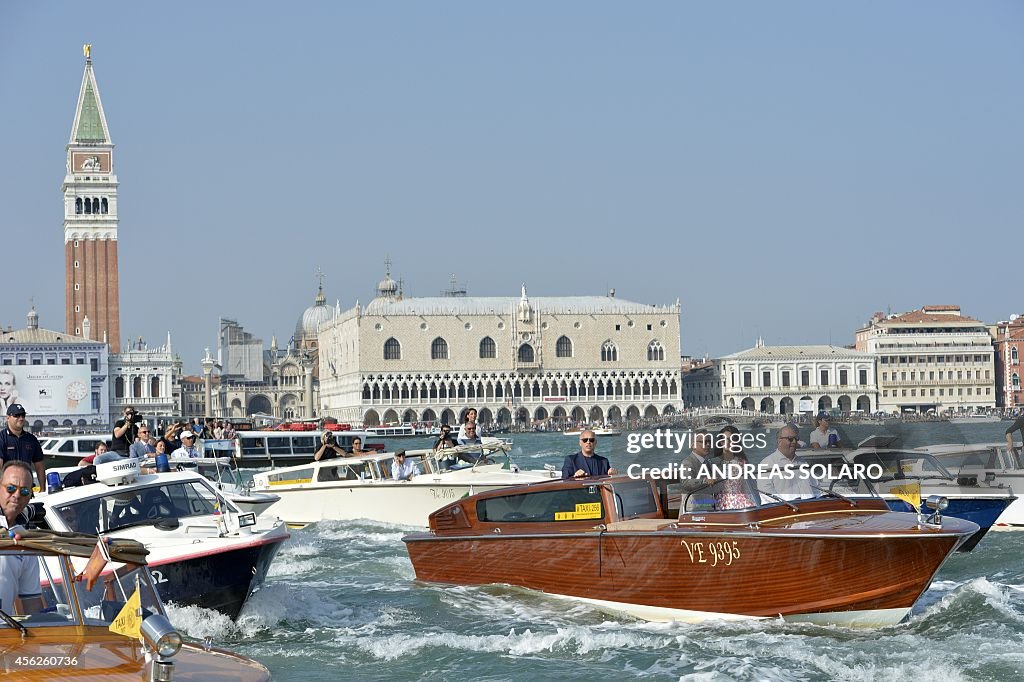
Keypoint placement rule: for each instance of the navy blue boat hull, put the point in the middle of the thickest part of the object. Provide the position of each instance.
(221, 582)
(982, 511)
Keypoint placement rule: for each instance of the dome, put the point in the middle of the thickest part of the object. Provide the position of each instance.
(387, 287)
(314, 316)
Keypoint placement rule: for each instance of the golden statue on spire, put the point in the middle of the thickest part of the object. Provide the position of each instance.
(87, 51)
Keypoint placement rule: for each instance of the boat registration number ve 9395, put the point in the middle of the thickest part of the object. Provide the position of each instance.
(716, 553)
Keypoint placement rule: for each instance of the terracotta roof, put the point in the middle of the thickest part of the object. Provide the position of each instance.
(922, 317)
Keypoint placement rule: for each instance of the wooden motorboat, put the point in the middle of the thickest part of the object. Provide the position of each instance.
(610, 542)
(85, 631)
(349, 488)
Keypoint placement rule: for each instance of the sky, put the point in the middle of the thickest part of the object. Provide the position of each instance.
(784, 169)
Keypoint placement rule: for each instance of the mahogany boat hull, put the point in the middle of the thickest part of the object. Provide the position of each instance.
(872, 578)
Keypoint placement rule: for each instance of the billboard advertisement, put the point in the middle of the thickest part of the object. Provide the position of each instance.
(47, 390)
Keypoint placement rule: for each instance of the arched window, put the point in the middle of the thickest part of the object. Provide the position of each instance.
(526, 353)
(95, 205)
(88, 205)
(487, 348)
(137, 387)
(655, 351)
(154, 389)
(392, 349)
(1013, 354)
(1016, 381)
(563, 347)
(439, 349)
(103, 205)
(119, 387)
(609, 353)
(78, 205)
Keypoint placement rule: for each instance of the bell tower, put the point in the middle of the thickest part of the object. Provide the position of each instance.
(90, 220)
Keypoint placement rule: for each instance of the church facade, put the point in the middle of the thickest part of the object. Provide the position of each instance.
(590, 359)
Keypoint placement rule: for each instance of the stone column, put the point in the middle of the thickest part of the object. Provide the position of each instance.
(208, 363)
(309, 390)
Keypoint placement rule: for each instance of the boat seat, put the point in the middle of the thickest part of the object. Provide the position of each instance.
(637, 524)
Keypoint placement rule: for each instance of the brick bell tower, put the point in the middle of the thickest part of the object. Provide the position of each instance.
(90, 220)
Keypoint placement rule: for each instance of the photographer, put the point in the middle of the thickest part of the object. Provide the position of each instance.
(329, 449)
(125, 431)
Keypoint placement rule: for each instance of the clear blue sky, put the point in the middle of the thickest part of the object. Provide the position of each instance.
(784, 168)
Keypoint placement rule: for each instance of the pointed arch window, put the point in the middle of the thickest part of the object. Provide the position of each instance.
(1016, 381)
(1013, 354)
(655, 351)
(563, 347)
(392, 349)
(439, 349)
(609, 352)
(526, 353)
(487, 348)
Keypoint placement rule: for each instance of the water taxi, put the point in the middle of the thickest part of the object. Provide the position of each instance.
(100, 623)
(362, 487)
(615, 543)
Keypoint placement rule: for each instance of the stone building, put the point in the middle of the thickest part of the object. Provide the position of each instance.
(934, 358)
(1009, 347)
(146, 378)
(573, 358)
(788, 379)
(61, 379)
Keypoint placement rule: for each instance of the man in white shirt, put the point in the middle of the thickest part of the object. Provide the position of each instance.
(188, 446)
(780, 473)
(402, 469)
(19, 574)
(698, 493)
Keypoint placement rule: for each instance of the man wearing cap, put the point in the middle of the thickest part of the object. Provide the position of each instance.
(188, 446)
(401, 469)
(19, 574)
(17, 444)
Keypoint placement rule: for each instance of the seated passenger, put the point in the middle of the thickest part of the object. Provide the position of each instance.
(737, 491)
(403, 469)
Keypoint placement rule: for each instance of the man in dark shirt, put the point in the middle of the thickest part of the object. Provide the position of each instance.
(125, 431)
(18, 444)
(585, 463)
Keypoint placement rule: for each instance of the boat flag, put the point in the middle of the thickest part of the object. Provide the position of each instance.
(909, 493)
(128, 621)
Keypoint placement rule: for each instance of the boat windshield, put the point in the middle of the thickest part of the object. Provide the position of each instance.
(33, 589)
(150, 504)
(104, 602)
(896, 465)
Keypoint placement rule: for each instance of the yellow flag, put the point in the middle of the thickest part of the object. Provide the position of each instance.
(129, 620)
(909, 493)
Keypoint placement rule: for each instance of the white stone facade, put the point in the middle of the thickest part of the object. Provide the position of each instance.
(933, 358)
(146, 378)
(775, 379)
(591, 359)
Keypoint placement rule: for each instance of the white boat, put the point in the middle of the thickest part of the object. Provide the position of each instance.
(988, 464)
(225, 478)
(361, 487)
(975, 418)
(203, 550)
(392, 431)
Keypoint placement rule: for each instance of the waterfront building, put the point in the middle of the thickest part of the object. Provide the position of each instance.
(146, 378)
(1009, 348)
(788, 379)
(60, 378)
(90, 220)
(702, 384)
(578, 358)
(246, 379)
(934, 358)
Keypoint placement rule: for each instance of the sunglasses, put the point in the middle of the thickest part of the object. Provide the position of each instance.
(25, 492)
(791, 439)
(19, 416)
(587, 440)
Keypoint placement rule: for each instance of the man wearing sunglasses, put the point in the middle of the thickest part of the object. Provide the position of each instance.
(780, 473)
(19, 575)
(18, 444)
(586, 463)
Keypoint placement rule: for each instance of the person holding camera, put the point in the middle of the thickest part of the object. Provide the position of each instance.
(329, 449)
(125, 431)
